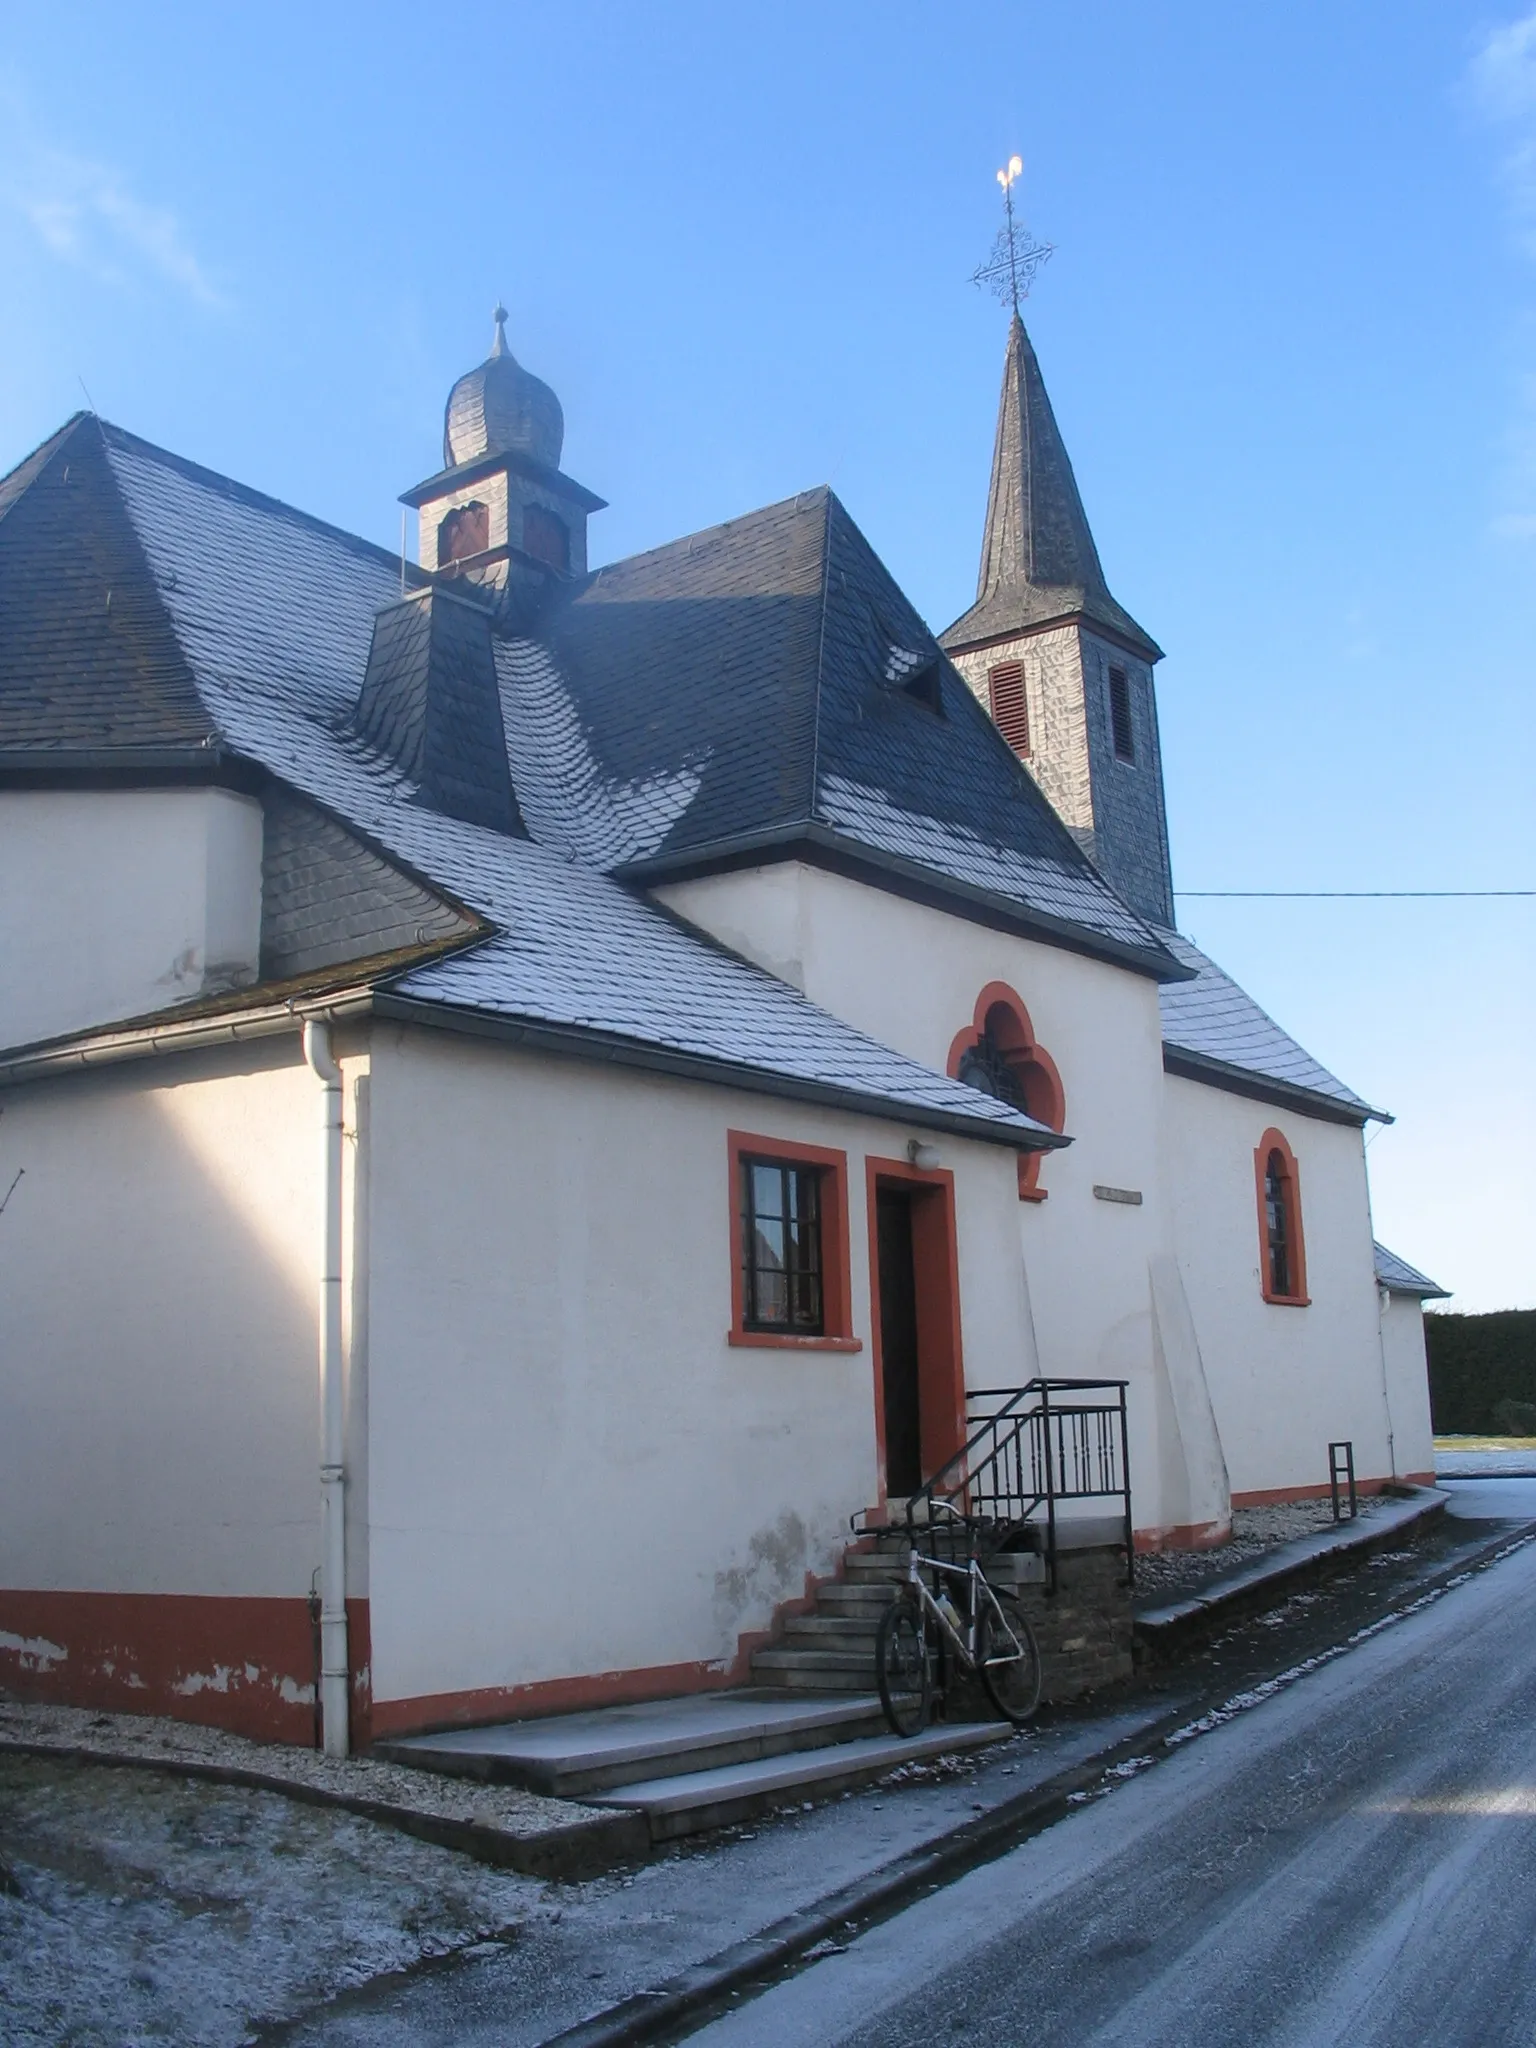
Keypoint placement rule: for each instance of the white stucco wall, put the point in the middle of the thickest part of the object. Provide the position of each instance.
(911, 976)
(116, 903)
(1284, 1380)
(158, 1273)
(571, 1470)
(1407, 1371)
(1165, 1294)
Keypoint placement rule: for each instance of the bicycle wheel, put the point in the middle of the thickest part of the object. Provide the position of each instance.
(902, 1667)
(1008, 1659)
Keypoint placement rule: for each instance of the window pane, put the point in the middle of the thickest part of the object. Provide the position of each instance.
(1277, 1220)
(767, 1189)
(781, 1246)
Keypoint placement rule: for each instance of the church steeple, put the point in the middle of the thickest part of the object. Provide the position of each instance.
(1038, 558)
(1063, 668)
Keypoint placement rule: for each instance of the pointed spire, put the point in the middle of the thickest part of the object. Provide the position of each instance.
(1038, 559)
(499, 345)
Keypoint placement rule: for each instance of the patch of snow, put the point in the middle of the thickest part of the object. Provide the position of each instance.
(566, 800)
(36, 1652)
(157, 1909)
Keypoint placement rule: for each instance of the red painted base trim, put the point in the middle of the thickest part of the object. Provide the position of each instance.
(1282, 1496)
(419, 1716)
(1183, 1536)
(1419, 1479)
(547, 1696)
(242, 1664)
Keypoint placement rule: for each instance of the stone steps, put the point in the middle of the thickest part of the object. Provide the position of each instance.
(687, 1804)
(695, 1763)
(574, 1756)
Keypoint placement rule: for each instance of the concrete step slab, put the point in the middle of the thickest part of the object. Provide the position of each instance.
(686, 1805)
(817, 1681)
(572, 1755)
(837, 1669)
(830, 1630)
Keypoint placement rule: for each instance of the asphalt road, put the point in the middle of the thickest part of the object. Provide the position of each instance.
(1353, 1859)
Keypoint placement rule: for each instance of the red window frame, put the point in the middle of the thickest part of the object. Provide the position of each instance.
(1274, 1144)
(1001, 1010)
(836, 1333)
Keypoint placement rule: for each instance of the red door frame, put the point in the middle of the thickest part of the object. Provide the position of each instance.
(936, 1268)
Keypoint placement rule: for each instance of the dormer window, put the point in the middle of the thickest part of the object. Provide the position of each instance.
(547, 538)
(1121, 730)
(1009, 706)
(464, 532)
(915, 672)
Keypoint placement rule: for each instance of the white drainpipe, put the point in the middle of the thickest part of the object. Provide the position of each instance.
(335, 1679)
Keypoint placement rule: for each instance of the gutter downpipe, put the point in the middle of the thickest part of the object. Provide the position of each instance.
(335, 1676)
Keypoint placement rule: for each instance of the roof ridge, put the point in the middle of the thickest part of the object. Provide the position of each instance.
(246, 494)
(14, 485)
(721, 526)
(832, 503)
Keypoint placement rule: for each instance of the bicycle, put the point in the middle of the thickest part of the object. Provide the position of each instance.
(991, 1640)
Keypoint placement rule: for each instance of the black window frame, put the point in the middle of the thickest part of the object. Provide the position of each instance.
(801, 1216)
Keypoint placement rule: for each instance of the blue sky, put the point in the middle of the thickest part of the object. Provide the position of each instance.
(1290, 332)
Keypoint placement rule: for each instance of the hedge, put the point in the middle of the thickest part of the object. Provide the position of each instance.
(1479, 1365)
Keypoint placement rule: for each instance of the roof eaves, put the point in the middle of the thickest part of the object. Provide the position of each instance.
(232, 1015)
(1235, 1080)
(1398, 1277)
(207, 761)
(961, 637)
(580, 1042)
(824, 847)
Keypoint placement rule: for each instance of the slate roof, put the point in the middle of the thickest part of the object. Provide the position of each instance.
(88, 658)
(1038, 558)
(271, 615)
(1222, 1034)
(762, 682)
(774, 666)
(1398, 1277)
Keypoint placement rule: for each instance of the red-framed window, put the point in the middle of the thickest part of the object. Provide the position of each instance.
(790, 1269)
(999, 1053)
(1282, 1245)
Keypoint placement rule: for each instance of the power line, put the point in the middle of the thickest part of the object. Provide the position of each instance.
(1358, 895)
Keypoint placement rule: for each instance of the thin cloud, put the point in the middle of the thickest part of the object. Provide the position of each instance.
(84, 213)
(1501, 87)
(1502, 83)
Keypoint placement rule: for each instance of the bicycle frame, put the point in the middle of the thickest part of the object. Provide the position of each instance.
(978, 1591)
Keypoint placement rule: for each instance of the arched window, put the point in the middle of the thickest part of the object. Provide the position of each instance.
(1000, 1055)
(546, 537)
(1282, 1250)
(466, 531)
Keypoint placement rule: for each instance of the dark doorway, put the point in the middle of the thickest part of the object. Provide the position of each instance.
(898, 1342)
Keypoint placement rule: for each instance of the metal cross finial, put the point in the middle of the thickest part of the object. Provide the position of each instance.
(1016, 256)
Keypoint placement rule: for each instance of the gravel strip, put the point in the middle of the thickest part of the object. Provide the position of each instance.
(1170, 1574)
(504, 1808)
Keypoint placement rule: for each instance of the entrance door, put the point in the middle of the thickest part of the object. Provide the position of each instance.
(898, 1341)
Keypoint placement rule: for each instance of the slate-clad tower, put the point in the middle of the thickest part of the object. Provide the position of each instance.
(1065, 671)
(501, 512)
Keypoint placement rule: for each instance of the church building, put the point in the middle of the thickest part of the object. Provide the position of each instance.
(539, 1102)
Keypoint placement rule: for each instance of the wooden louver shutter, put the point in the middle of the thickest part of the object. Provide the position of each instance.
(1010, 711)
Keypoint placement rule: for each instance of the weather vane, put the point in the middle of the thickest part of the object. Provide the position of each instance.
(1010, 269)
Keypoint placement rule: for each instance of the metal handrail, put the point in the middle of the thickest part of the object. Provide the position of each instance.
(1046, 1443)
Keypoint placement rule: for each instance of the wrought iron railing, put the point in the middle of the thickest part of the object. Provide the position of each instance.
(1029, 1449)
